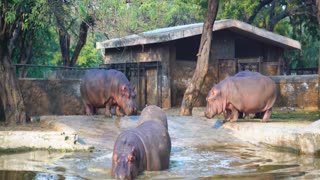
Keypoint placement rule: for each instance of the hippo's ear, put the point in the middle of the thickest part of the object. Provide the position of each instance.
(214, 92)
(124, 88)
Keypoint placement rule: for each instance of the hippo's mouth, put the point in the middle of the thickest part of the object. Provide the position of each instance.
(208, 115)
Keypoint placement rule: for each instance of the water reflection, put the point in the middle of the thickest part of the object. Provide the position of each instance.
(199, 151)
(204, 162)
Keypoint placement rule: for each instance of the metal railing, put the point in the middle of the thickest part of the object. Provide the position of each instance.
(134, 72)
(303, 71)
(49, 72)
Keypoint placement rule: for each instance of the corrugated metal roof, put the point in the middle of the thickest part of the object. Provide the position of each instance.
(178, 32)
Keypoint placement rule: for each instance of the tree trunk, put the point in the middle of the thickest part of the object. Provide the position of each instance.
(11, 96)
(81, 42)
(194, 87)
(64, 41)
(318, 17)
(25, 50)
(262, 4)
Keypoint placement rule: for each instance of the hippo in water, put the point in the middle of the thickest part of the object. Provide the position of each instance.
(101, 88)
(153, 113)
(146, 147)
(247, 92)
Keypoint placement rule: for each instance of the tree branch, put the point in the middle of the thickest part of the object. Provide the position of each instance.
(262, 4)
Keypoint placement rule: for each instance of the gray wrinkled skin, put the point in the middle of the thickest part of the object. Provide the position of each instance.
(247, 92)
(153, 113)
(146, 147)
(107, 89)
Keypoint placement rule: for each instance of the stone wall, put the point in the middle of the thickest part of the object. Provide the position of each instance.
(180, 78)
(62, 97)
(51, 97)
(293, 91)
(297, 91)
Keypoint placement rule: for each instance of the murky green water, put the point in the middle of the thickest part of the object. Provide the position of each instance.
(200, 150)
(186, 163)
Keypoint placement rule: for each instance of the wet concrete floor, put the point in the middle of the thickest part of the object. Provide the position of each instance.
(201, 149)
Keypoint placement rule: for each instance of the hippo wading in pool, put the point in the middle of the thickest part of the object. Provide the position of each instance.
(105, 89)
(247, 92)
(146, 147)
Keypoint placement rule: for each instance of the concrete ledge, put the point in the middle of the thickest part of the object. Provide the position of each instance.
(34, 140)
(58, 137)
(301, 138)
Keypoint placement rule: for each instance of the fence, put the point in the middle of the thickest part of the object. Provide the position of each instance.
(49, 72)
(135, 72)
(304, 71)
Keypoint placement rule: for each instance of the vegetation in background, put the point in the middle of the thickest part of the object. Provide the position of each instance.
(117, 18)
(296, 19)
(55, 32)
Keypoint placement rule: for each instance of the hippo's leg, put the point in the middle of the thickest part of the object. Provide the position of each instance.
(267, 115)
(234, 115)
(89, 109)
(108, 110)
(246, 116)
(119, 112)
(226, 114)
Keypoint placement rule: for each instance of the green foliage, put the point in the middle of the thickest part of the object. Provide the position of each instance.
(293, 19)
(241, 10)
(118, 18)
(89, 56)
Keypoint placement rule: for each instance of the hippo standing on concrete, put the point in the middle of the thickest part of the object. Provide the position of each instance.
(248, 92)
(105, 88)
(146, 147)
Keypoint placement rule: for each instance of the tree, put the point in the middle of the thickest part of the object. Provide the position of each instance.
(194, 87)
(294, 19)
(317, 10)
(14, 17)
(65, 22)
(117, 18)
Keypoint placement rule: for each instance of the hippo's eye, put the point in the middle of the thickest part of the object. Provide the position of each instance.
(210, 99)
(131, 158)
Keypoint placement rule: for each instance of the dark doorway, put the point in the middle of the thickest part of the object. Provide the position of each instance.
(137, 74)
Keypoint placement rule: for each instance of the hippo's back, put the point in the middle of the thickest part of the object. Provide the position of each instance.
(251, 93)
(157, 142)
(98, 84)
(153, 113)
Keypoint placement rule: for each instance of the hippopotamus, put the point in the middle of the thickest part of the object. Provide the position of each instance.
(153, 113)
(146, 147)
(107, 88)
(247, 92)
